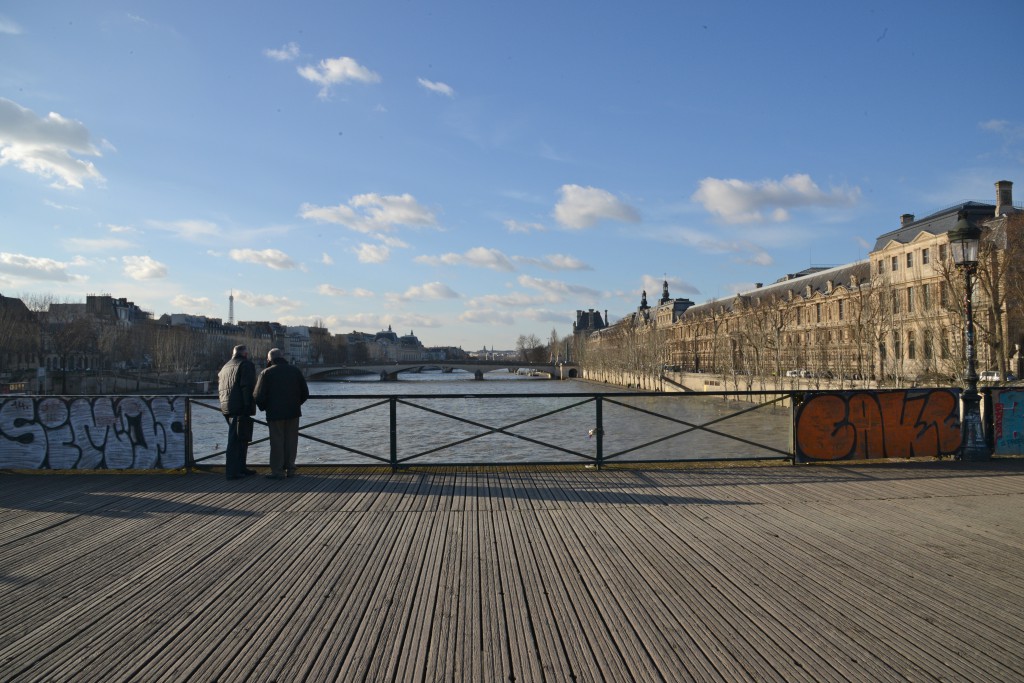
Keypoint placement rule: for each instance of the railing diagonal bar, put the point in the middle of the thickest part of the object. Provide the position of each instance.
(344, 448)
(338, 417)
(495, 430)
(704, 426)
(486, 426)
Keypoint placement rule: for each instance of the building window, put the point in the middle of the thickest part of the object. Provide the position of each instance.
(943, 298)
(911, 345)
(897, 346)
(910, 299)
(895, 302)
(881, 266)
(942, 253)
(910, 259)
(926, 296)
(924, 256)
(895, 263)
(841, 309)
(817, 313)
(798, 316)
(927, 344)
(945, 345)
(881, 350)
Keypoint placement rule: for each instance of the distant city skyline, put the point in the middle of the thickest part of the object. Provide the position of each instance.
(473, 172)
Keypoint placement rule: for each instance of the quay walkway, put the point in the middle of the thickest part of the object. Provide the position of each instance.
(896, 572)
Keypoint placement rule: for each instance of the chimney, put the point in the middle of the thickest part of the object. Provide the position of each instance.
(758, 285)
(906, 219)
(1004, 197)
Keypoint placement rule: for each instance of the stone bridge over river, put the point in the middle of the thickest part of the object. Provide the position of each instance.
(388, 372)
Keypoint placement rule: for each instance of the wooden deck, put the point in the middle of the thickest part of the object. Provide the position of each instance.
(889, 573)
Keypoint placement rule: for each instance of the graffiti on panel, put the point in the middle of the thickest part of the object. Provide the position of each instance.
(1008, 421)
(92, 432)
(859, 425)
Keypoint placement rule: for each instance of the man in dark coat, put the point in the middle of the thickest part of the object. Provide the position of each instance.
(236, 383)
(280, 391)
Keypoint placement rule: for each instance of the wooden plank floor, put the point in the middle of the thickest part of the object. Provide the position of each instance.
(886, 573)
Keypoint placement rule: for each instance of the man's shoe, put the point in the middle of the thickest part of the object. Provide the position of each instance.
(276, 476)
(292, 473)
(248, 472)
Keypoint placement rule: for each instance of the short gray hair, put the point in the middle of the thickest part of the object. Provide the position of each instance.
(275, 354)
(239, 350)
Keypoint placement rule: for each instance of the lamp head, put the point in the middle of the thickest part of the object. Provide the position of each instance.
(964, 239)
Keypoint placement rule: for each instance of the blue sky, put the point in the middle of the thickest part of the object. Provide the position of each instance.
(473, 171)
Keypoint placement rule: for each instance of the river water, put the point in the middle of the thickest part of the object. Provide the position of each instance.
(451, 419)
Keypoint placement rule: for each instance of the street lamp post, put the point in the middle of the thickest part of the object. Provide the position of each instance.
(964, 239)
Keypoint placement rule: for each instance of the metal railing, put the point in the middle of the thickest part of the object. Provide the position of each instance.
(535, 429)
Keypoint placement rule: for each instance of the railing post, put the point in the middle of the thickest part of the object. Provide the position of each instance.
(599, 430)
(393, 428)
(190, 456)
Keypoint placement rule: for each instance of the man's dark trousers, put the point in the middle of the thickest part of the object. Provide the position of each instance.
(239, 433)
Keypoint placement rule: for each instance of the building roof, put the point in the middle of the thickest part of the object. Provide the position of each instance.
(817, 280)
(935, 224)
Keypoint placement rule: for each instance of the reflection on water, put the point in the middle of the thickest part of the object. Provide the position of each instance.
(505, 419)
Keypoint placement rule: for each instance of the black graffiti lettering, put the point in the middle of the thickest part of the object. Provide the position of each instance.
(106, 432)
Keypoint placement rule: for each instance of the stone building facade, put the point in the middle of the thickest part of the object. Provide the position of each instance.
(895, 317)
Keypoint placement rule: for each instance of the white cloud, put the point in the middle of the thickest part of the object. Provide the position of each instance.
(1011, 134)
(518, 300)
(337, 71)
(278, 303)
(480, 257)
(582, 207)
(376, 213)
(486, 316)
(556, 290)
(427, 291)
(120, 228)
(33, 268)
(543, 315)
(95, 245)
(392, 241)
(653, 285)
(517, 226)
(285, 53)
(45, 146)
(995, 125)
(143, 268)
(744, 251)
(372, 253)
(738, 201)
(392, 210)
(326, 259)
(9, 27)
(192, 230)
(331, 290)
(438, 87)
(411, 320)
(190, 304)
(274, 259)
(555, 262)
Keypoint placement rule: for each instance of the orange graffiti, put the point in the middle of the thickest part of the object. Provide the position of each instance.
(878, 424)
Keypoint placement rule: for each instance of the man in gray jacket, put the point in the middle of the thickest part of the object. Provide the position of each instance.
(280, 391)
(235, 384)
